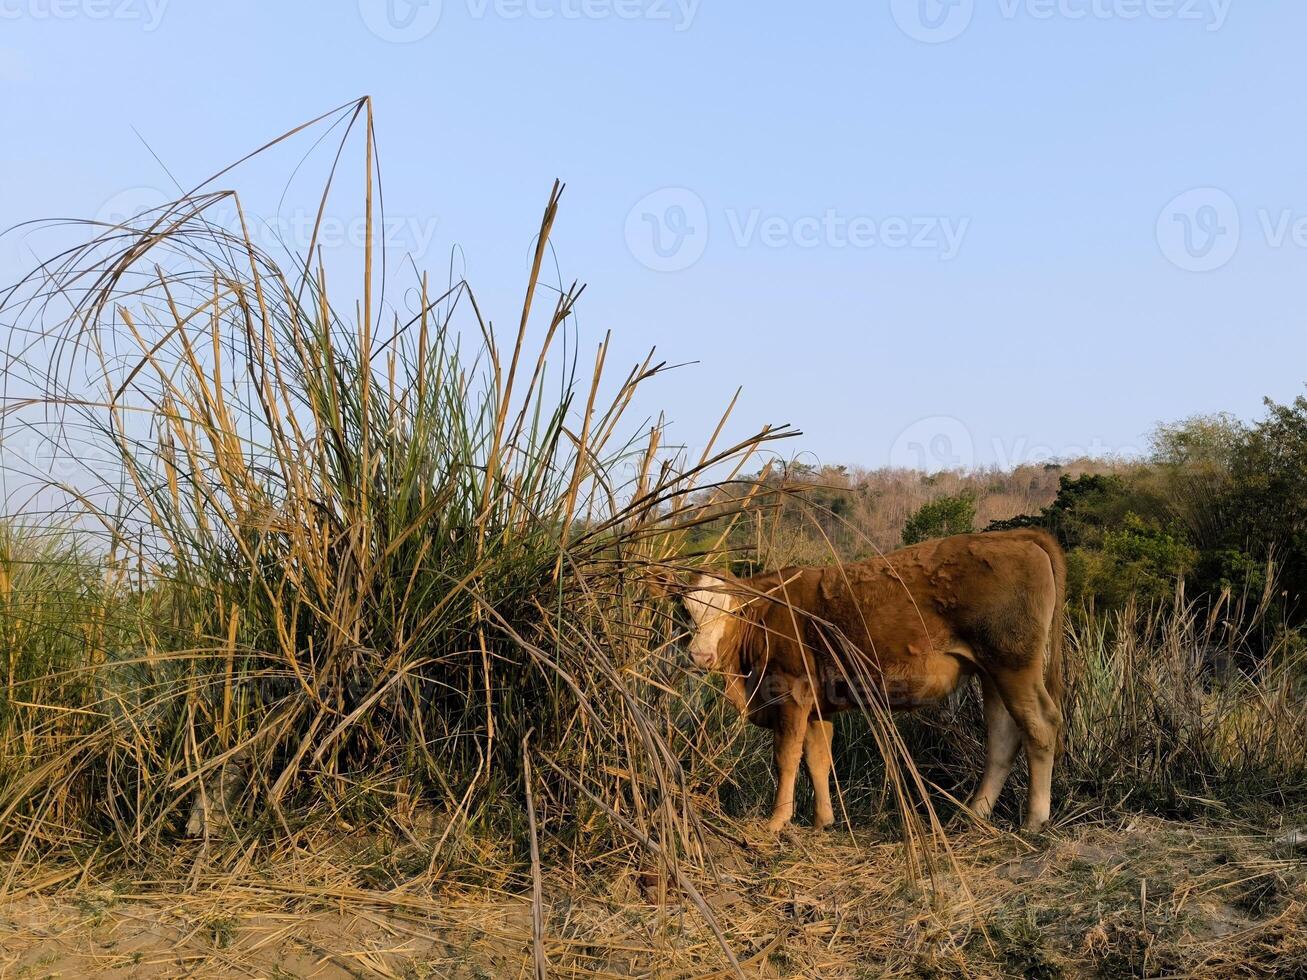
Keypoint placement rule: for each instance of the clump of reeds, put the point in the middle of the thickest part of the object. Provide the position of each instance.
(1173, 709)
(393, 567)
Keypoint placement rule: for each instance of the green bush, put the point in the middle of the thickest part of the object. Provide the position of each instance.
(941, 517)
(1138, 558)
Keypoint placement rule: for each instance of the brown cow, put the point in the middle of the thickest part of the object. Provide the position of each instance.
(798, 645)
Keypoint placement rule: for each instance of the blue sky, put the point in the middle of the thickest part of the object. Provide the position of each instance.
(977, 231)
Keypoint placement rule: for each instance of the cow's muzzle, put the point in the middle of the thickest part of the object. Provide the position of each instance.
(706, 659)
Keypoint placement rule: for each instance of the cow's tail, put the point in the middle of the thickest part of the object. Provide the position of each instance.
(1054, 671)
(1057, 638)
(1054, 677)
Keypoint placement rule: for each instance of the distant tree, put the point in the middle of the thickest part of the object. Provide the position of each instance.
(1192, 469)
(1199, 439)
(941, 517)
(1240, 491)
(1120, 539)
(1084, 507)
(1269, 495)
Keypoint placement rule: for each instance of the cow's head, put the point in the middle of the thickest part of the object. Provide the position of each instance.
(712, 610)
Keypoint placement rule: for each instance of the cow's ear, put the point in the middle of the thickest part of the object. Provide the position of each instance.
(662, 583)
(711, 581)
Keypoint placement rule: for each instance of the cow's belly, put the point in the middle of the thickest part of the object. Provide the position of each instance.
(926, 683)
(912, 683)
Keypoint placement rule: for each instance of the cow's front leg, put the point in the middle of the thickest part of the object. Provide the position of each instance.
(791, 729)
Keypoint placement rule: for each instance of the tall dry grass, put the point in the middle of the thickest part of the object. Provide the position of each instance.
(363, 570)
(1174, 710)
(377, 564)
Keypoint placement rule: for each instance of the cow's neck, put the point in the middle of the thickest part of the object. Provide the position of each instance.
(739, 660)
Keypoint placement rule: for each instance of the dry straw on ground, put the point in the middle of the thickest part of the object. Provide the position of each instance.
(1127, 897)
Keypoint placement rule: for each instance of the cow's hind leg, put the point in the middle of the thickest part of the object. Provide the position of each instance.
(790, 733)
(1038, 717)
(1002, 741)
(817, 757)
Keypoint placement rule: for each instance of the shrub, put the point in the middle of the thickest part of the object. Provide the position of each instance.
(1137, 559)
(941, 517)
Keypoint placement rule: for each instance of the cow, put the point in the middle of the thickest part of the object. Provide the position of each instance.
(798, 645)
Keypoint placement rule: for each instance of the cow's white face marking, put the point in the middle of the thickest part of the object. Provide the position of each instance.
(711, 611)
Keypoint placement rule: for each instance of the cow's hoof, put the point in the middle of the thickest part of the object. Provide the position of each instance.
(985, 814)
(1035, 830)
(774, 826)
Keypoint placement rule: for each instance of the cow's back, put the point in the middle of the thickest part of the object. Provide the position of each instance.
(976, 595)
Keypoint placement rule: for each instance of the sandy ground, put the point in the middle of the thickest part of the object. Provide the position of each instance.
(1133, 896)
